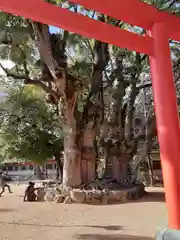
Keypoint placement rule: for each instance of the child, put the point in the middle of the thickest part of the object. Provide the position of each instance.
(30, 195)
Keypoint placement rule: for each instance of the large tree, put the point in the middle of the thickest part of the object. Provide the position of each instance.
(94, 86)
(29, 128)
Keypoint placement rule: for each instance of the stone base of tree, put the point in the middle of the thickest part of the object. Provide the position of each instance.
(168, 234)
(40, 194)
(95, 196)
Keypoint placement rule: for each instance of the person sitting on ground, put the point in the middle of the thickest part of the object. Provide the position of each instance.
(30, 195)
(3, 184)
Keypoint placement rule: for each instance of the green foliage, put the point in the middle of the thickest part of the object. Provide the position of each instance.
(17, 44)
(29, 127)
(168, 5)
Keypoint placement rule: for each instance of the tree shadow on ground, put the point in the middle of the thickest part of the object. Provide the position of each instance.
(156, 196)
(109, 237)
(4, 210)
(109, 228)
(152, 197)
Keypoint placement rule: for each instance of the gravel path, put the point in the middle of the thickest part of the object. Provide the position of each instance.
(51, 221)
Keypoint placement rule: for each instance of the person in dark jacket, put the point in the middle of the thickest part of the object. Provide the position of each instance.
(3, 184)
(30, 195)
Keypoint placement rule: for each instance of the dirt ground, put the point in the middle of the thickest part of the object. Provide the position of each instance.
(51, 221)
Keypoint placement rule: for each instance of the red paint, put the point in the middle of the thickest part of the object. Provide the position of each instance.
(127, 11)
(63, 18)
(140, 14)
(167, 121)
(136, 13)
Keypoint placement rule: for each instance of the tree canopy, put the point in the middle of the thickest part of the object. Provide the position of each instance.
(29, 128)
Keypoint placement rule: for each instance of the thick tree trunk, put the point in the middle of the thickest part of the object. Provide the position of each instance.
(113, 161)
(37, 172)
(119, 165)
(59, 173)
(88, 165)
(150, 168)
(88, 155)
(116, 173)
(72, 160)
(117, 162)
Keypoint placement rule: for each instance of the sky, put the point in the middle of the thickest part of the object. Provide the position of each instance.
(6, 64)
(53, 29)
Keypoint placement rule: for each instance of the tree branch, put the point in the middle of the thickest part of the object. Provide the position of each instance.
(169, 5)
(24, 61)
(46, 88)
(44, 46)
(143, 86)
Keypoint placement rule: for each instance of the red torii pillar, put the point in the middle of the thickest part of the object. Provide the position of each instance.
(167, 121)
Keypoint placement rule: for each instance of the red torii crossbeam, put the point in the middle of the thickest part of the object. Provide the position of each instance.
(136, 13)
(65, 19)
(161, 26)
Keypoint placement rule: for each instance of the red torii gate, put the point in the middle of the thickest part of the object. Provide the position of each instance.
(160, 27)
